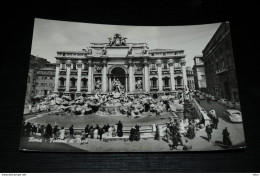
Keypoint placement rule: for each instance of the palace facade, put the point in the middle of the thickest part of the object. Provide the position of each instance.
(137, 69)
(219, 65)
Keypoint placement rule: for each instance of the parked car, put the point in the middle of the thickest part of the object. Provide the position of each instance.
(230, 105)
(222, 101)
(213, 98)
(197, 94)
(232, 115)
(202, 97)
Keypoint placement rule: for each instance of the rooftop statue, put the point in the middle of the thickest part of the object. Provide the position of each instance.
(117, 40)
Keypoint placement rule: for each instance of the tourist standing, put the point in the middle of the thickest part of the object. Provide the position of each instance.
(71, 132)
(132, 134)
(226, 138)
(168, 133)
(55, 132)
(86, 129)
(62, 133)
(100, 133)
(208, 131)
(48, 131)
(137, 127)
(120, 129)
(157, 133)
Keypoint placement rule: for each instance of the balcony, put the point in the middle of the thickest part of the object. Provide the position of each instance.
(73, 88)
(84, 72)
(84, 89)
(154, 88)
(179, 86)
(166, 88)
(153, 72)
(165, 71)
(61, 87)
(63, 72)
(73, 72)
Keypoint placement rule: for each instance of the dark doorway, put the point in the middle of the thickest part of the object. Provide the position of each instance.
(119, 73)
(72, 95)
(45, 92)
(155, 96)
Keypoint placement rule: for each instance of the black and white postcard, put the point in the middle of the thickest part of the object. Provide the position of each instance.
(112, 88)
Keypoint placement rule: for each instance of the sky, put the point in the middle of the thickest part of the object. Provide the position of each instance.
(50, 36)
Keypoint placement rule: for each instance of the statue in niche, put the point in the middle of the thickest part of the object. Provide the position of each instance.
(138, 84)
(98, 84)
(104, 51)
(130, 51)
(139, 67)
(98, 68)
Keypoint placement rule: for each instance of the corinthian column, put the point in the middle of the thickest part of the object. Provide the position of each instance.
(79, 65)
(90, 76)
(159, 70)
(184, 75)
(146, 76)
(68, 67)
(104, 77)
(171, 65)
(131, 77)
(57, 72)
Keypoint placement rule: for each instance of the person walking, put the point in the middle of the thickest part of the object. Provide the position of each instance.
(71, 132)
(168, 133)
(209, 131)
(157, 133)
(226, 138)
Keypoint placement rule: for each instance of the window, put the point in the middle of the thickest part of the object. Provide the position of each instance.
(50, 84)
(51, 77)
(153, 67)
(42, 84)
(165, 65)
(74, 66)
(63, 66)
(42, 77)
(166, 82)
(46, 77)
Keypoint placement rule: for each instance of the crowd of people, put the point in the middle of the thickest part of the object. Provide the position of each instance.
(130, 106)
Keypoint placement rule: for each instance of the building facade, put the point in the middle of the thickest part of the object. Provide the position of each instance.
(190, 78)
(199, 73)
(137, 69)
(35, 63)
(45, 80)
(219, 65)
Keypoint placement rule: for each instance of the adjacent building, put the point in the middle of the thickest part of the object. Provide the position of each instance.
(139, 70)
(219, 65)
(35, 63)
(199, 73)
(45, 80)
(190, 78)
